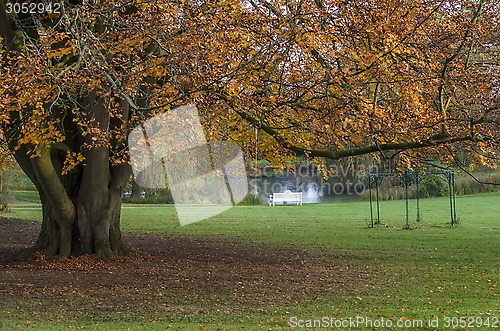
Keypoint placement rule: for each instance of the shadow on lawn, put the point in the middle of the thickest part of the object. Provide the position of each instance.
(168, 276)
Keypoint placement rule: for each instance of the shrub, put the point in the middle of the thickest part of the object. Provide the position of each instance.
(152, 196)
(433, 186)
(465, 184)
(149, 200)
(251, 200)
(437, 186)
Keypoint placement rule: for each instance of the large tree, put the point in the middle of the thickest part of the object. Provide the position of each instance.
(317, 78)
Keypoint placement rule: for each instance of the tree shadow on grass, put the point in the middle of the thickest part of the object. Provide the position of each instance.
(169, 276)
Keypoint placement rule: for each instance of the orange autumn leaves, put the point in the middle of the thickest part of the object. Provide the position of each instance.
(336, 77)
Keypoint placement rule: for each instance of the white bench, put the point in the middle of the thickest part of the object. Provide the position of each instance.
(287, 196)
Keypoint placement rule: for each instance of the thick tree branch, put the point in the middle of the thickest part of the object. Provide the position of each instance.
(52, 186)
(335, 155)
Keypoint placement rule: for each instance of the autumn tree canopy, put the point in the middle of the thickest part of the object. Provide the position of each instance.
(342, 78)
(418, 79)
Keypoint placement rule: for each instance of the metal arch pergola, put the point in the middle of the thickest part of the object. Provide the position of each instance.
(407, 178)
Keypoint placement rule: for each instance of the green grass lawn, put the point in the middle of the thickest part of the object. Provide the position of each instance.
(433, 270)
(26, 196)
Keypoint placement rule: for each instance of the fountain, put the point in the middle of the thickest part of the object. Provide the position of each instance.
(311, 194)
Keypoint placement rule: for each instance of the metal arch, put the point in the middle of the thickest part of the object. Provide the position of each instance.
(408, 178)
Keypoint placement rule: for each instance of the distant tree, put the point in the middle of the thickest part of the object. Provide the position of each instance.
(136, 189)
(316, 78)
(6, 161)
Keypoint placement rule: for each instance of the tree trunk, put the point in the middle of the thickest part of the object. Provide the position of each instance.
(102, 234)
(81, 210)
(93, 229)
(4, 195)
(136, 190)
